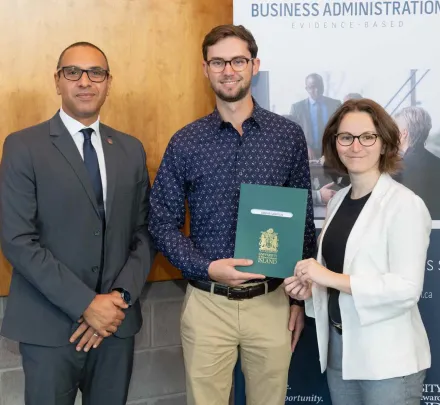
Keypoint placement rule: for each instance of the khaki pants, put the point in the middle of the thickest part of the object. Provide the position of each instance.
(212, 329)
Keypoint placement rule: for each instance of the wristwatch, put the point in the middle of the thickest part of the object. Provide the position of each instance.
(125, 295)
(294, 301)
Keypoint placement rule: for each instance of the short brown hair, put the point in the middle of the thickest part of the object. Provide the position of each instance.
(82, 43)
(390, 160)
(224, 31)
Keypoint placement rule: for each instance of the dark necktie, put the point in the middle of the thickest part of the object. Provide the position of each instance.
(92, 166)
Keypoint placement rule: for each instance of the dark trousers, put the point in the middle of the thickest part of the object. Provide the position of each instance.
(53, 375)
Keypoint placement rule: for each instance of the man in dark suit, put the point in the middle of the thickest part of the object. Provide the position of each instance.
(421, 169)
(74, 206)
(313, 113)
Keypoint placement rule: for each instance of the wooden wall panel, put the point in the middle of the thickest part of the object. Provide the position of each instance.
(154, 50)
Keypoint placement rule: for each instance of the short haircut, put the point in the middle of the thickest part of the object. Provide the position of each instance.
(225, 31)
(386, 128)
(86, 44)
(318, 78)
(418, 123)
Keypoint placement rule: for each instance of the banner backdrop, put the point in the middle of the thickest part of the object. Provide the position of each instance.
(334, 51)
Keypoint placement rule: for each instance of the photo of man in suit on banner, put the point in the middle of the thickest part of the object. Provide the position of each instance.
(313, 113)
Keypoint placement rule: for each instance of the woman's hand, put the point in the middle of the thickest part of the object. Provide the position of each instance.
(310, 270)
(296, 289)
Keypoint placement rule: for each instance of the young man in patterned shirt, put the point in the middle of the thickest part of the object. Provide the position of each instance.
(204, 164)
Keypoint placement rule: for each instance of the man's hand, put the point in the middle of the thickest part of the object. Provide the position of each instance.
(89, 337)
(223, 271)
(104, 314)
(296, 323)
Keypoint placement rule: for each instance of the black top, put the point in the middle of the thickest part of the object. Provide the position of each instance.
(335, 241)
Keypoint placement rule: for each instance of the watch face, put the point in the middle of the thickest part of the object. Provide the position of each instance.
(126, 297)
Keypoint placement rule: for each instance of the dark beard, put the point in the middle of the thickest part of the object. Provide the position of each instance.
(232, 99)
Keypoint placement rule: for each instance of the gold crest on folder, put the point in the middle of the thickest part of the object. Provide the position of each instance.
(268, 247)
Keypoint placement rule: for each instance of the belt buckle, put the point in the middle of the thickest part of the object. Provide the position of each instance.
(231, 289)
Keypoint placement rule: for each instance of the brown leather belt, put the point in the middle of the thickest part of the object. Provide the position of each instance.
(241, 292)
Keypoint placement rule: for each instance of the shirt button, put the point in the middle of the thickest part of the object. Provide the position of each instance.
(97, 233)
(95, 269)
(240, 173)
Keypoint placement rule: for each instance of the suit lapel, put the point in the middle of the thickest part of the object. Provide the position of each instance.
(365, 219)
(65, 144)
(307, 121)
(110, 149)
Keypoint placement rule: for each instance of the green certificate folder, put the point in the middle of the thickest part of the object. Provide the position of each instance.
(270, 228)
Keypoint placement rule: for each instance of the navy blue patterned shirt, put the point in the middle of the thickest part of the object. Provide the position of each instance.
(205, 163)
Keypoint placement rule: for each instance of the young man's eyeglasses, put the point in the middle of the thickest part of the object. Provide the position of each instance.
(238, 64)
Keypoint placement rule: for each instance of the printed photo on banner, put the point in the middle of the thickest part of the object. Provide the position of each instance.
(314, 56)
(310, 99)
(317, 54)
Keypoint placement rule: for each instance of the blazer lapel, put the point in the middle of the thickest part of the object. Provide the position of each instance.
(365, 219)
(110, 149)
(65, 144)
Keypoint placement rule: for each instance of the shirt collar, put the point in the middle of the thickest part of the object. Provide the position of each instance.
(313, 102)
(257, 116)
(74, 126)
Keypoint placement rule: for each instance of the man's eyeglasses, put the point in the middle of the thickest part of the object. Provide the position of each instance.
(365, 139)
(74, 73)
(237, 64)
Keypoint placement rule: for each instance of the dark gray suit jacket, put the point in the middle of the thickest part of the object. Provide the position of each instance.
(421, 174)
(52, 234)
(300, 113)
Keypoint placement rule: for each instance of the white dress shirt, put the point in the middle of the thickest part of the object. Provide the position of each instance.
(74, 126)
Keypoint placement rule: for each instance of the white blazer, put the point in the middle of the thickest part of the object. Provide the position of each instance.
(383, 334)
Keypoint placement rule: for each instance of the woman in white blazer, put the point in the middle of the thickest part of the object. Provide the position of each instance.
(364, 286)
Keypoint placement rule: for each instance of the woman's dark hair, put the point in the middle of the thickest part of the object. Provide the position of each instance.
(386, 128)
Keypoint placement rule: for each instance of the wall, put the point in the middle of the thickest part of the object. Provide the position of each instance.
(154, 50)
(158, 373)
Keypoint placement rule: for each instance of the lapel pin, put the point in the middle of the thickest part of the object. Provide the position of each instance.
(110, 141)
